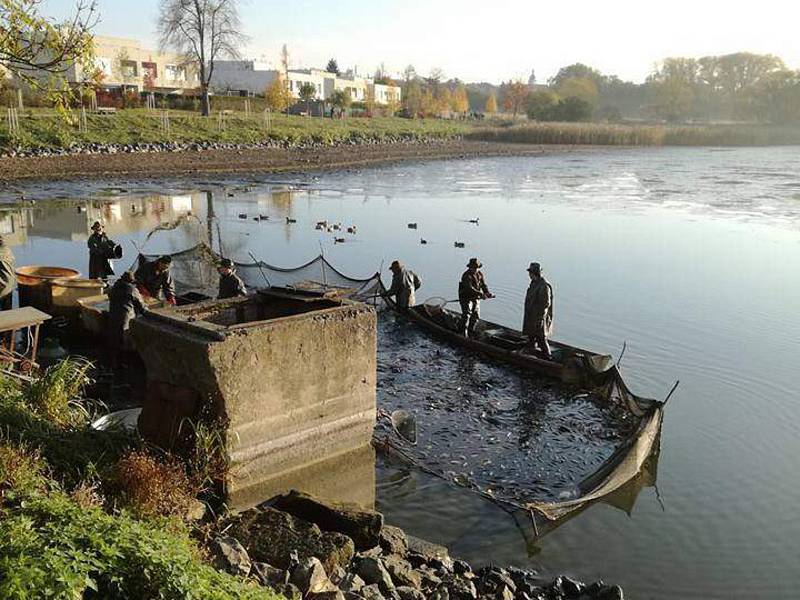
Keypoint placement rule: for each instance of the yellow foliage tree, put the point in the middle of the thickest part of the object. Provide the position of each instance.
(460, 101)
(277, 95)
(579, 87)
(491, 105)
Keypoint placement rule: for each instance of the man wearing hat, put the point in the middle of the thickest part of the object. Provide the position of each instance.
(471, 290)
(538, 320)
(230, 284)
(99, 244)
(404, 285)
(8, 275)
(124, 303)
(154, 279)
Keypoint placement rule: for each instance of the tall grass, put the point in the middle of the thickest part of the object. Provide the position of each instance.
(602, 134)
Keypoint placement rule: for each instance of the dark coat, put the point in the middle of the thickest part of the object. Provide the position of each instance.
(404, 285)
(231, 286)
(538, 319)
(125, 302)
(156, 285)
(99, 264)
(472, 286)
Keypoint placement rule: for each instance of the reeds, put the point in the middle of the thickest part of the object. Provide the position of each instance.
(602, 134)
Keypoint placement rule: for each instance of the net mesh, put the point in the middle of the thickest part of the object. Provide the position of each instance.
(194, 270)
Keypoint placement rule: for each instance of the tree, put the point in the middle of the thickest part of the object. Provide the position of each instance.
(516, 93)
(412, 98)
(573, 109)
(491, 105)
(333, 67)
(577, 70)
(277, 95)
(32, 44)
(340, 99)
(578, 87)
(204, 31)
(409, 73)
(460, 101)
(540, 105)
(307, 92)
(285, 60)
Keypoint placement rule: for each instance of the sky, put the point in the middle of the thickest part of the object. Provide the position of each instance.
(489, 40)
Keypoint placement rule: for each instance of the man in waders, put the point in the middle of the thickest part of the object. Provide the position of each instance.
(230, 284)
(124, 303)
(154, 279)
(100, 249)
(404, 285)
(471, 290)
(537, 323)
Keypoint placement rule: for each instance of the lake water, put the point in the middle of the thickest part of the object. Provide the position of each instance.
(691, 256)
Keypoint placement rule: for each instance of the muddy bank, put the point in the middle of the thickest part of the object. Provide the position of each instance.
(156, 164)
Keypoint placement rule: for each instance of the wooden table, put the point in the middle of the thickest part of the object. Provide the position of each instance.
(20, 318)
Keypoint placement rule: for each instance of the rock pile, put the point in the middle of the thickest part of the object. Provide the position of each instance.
(301, 547)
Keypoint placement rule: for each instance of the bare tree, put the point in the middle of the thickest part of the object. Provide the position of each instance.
(31, 43)
(203, 31)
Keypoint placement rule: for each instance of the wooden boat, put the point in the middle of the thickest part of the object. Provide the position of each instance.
(569, 363)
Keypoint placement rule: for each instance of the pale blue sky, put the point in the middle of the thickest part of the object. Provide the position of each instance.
(491, 40)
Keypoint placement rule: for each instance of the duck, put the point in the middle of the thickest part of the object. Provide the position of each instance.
(290, 220)
(338, 240)
(412, 225)
(423, 241)
(475, 221)
(242, 215)
(264, 217)
(337, 226)
(459, 244)
(351, 229)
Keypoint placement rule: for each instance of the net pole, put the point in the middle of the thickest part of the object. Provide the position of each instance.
(264, 275)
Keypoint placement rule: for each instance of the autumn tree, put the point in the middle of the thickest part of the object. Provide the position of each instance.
(277, 95)
(32, 45)
(203, 31)
(540, 104)
(460, 101)
(307, 92)
(412, 97)
(491, 105)
(516, 93)
(333, 67)
(340, 99)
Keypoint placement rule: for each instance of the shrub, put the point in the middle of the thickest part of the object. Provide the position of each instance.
(21, 471)
(52, 393)
(151, 488)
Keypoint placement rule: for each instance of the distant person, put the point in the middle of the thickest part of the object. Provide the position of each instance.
(537, 323)
(154, 279)
(100, 252)
(471, 290)
(8, 275)
(404, 285)
(230, 284)
(124, 303)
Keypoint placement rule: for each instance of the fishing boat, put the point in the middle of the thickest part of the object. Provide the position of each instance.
(569, 363)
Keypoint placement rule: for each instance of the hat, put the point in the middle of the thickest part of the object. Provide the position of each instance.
(166, 259)
(535, 267)
(97, 225)
(128, 276)
(395, 265)
(474, 262)
(226, 263)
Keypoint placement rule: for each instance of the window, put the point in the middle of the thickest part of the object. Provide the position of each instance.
(129, 68)
(175, 73)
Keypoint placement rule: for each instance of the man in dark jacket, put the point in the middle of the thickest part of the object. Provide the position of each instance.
(125, 303)
(154, 279)
(538, 320)
(404, 285)
(230, 284)
(8, 275)
(99, 253)
(471, 290)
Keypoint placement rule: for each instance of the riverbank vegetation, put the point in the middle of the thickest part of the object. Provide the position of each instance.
(94, 514)
(46, 129)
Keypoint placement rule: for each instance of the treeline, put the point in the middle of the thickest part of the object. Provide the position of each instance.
(740, 87)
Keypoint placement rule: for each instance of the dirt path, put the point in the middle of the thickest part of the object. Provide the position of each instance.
(154, 165)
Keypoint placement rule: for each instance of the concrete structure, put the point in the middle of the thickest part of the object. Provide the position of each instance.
(291, 375)
(253, 77)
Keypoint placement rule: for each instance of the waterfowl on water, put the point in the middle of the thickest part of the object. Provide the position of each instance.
(242, 215)
(290, 220)
(351, 229)
(412, 225)
(338, 240)
(458, 244)
(423, 241)
(475, 221)
(264, 217)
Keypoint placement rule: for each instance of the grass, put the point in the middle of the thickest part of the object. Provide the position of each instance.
(45, 129)
(95, 514)
(639, 135)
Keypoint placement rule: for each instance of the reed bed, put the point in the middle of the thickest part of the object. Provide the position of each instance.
(602, 134)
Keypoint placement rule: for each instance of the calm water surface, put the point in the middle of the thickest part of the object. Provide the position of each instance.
(692, 256)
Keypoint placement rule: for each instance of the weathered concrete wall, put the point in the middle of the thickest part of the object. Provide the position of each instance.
(295, 390)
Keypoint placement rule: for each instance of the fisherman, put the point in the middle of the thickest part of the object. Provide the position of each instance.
(404, 285)
(99, 247)
(154, 279)
(230, 284)
(537, 323)
(125, 303)
(8, 275)
(471, 290)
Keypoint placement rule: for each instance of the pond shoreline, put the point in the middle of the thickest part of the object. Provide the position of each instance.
(161, 163)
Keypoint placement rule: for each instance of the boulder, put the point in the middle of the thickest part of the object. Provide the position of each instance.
(611, 592)
(430, 551)
(269, 575)
(329, 595)
(569, 587)
(393, 540)
(409, 593)
(270, 536)
(310, 577)
(361, 526)
(351, 583)
(289, 590)
(440, 593)
(372, 592)
(372, 571)
(229, 555)
(401, 572)
(461, 588)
